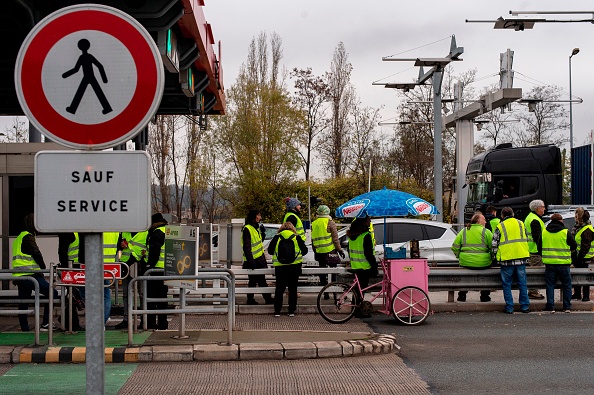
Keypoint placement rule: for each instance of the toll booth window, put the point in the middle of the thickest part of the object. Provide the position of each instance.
(20, 200)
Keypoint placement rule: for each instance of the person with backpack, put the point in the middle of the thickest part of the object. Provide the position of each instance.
(287, 250)
(292, 215)
(252, 235)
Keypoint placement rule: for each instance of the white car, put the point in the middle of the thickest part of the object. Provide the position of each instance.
(435, 238)
(568, 216)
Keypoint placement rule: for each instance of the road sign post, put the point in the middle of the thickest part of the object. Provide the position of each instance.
(90, 77)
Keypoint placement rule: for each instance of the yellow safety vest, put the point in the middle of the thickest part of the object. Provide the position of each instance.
(357, 254)
(136, 244)
(161, 262)
(299, 227)
(73, 249)
(255, 240)
(286, 234)
(513, 243)
(321, 239)
(473, 246)
(20, 260)
(555, 249)
(578, 240)
(527, 222)
(110, 246)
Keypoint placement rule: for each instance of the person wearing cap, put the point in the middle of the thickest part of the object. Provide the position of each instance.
(558, 245)
(510, 248)
(325, 243)
(583, 233)
(253, 253)
(155, 243)
(534, 227)
(292, 215)
(472, 247)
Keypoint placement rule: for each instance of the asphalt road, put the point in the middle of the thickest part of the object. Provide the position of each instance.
(486, 353)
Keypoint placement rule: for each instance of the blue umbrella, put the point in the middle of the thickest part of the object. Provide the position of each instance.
(385, 203)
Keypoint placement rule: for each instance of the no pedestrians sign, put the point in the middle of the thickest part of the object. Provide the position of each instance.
(89, 76)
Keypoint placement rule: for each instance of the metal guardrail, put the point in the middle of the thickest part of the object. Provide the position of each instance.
(7, 275)
(212, 274)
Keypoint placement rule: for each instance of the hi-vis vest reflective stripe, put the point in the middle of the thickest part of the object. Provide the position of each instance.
(161, 262)
(21, 260)
(321, 239)
(73, 249)
(286, 234)
(513, 243)
(255, 240)
(578, 240)
(527, 222)
(299, 227)
(357, 254)
(473, 246)
(110, 246)
(136, 244)
(555, 249)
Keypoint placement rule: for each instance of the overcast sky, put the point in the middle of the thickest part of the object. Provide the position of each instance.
(370, 30)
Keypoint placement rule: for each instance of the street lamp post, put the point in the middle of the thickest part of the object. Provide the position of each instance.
(574, 52)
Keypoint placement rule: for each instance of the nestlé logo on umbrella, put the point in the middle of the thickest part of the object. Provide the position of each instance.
(419, 206)
(355, 208)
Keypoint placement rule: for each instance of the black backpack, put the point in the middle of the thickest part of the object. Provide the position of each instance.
(286, 253)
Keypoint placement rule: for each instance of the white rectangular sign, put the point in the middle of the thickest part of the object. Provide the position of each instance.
(92, 191)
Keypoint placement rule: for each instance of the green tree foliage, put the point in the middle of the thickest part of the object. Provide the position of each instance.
(258, 138)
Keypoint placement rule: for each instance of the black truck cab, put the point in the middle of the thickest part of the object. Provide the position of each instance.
(513, 176)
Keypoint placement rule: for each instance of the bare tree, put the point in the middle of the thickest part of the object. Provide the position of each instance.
(363, 140)
(333, 155)
(311, 96)
(158, 148)
(543, 125)
(17, 132)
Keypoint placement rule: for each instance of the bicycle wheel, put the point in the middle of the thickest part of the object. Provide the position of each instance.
(411, 305)
(337, 302)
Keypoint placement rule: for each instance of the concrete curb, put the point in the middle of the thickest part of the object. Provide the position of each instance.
(376, 344)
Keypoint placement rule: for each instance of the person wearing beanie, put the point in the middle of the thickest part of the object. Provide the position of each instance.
(155, 243)
(252, 234)
(325, 243)
(292, 215)
(510, 249)
(583, 233)
(558, 245)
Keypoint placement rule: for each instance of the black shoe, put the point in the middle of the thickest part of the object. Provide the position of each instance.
(252, 302)
(585, 299)
(508, 311)
(122, 325)
(526, 311)
(576, 297)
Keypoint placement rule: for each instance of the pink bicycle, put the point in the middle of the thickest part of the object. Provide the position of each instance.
(338, 301)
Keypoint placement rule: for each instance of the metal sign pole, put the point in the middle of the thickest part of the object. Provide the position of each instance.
(95, 325)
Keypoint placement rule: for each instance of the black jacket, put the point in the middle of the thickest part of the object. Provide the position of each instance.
(556, 227)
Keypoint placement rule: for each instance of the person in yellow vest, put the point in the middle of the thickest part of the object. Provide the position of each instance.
(557, 247)
(110, 254)
(361, 251)
(472, 246)
(252, 235)
(287, 269)
(294, 207)
(68, 251)
(534, 227)
(583, 232)
(133, 250)
(491, 218)
(325, 243)
(510, 248)
(27, 260)
(155, 242)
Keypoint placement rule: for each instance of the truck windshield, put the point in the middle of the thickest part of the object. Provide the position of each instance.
(478, 192)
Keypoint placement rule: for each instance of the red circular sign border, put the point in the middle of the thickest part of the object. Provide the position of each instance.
(77, 19)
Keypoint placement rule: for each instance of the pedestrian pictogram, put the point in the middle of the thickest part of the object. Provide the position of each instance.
(89, 76)
(86, 61)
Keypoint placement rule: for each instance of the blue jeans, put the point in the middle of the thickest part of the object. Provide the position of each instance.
(552, 272)
(507, 276)
(106, 300)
